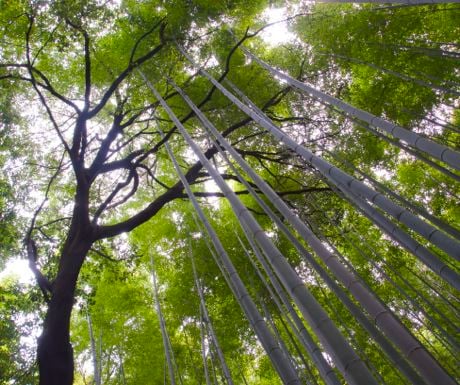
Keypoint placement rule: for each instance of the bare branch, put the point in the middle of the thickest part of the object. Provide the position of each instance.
(32, 253)
(129, 69)
(149, 32)
(43, 283)
(132, 175)
(45, 83)
(39, 51)
(40, 95)
(87, 62)
(111, 259)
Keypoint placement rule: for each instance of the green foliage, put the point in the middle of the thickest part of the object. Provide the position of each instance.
(369, 43)
(18, 324)
(350, 51)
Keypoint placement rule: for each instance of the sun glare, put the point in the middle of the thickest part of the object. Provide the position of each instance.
(19, 270)
(277, 33)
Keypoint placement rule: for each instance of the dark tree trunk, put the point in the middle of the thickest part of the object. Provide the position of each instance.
(55, 353)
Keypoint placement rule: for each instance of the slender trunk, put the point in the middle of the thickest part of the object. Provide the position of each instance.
(213, 367)
(164, 332)
(415, 153)
(203, 350)
(375, 262)
(337, 177)
(428, 51)
(207, 320)
(278, 337)
(438, 238)
(100, 359)
(396, 74)
(388, 323)
(384, 189)
(326, 372)
(242, 375)
(122, 368)
(402, 237)
(94, 352)
(309, 374)
(55, 353)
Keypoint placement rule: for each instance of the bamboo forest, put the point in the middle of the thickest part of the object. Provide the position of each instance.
(234, 192)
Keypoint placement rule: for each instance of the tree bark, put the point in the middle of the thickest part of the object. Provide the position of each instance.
(55, 353)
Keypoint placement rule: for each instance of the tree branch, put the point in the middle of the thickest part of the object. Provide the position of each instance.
(40, 95)
(43, 283)
(121, 185)
(87, 62)
(129, 69)
(138, 41)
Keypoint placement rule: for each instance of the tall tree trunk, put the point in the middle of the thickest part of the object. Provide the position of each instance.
(55, 353)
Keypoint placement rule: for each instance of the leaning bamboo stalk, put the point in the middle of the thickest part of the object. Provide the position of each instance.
(402, 237)
(278, 337)
(348, 362)
(303, 230)
(417, 154)
(164, 333)
(436, 150)
(206, 318)
(334, 174)
(447, 228)
(326, 372)
(413, 300)
(412, 151)
(213, 367)
(203, 350)
(280, 362)
(94, 353)
(385, 319)
(308, 371)
(388, 349)
(397, 74)
(122, 368)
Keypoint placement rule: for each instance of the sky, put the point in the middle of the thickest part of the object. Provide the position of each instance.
(18, 268)
(277, 33)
